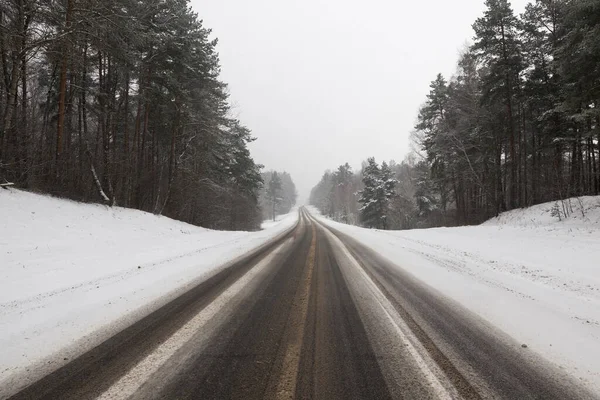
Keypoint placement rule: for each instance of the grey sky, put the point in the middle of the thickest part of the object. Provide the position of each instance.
(321, 83)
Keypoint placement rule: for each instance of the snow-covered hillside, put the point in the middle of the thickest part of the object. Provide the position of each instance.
(72, 273)
(534, 276)
(582, 213)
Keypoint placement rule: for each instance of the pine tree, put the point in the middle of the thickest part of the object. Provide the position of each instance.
(131, 113)
(440, 138)
(288, 193)
(379, 189)
(518, 124)
(543, 30)
(342, 195)
(497, 45)
(274, 193)
(371, 212)
(578, 57)
(388, 186)
(425, 194)
(321, 195)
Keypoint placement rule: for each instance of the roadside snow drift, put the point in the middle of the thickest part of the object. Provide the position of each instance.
(534, 273)
(71, 274)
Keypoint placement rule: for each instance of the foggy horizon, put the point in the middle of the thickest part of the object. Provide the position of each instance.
(308, 78)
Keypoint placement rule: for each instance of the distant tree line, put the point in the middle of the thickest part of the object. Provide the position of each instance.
(518, 125)
(120, 101)
(278, 195)
(386, 196)
(336, 195)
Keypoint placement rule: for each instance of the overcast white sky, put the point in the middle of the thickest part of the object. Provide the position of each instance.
(323, 82)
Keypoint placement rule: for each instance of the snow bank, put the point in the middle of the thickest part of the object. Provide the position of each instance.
(269, 223)
(577, 212)
(533, 276)
(73, 273)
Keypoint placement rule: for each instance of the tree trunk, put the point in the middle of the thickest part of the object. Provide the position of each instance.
(126, 146)
(62, 91)
(11, 102)
(534, 167)
(174, 130)
(598, 167)
(23, 165)
(24, 134)
(511, 124)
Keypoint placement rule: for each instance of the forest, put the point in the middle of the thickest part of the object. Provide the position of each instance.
(120, 102)
(278, 194)
(518, 124)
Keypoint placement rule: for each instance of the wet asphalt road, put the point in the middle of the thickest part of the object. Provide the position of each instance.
(311, 315)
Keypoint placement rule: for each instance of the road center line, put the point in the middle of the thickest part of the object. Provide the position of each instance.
(288, 377)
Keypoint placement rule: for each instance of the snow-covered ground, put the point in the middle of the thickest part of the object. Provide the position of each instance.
(269, 223)
(71, 273)
(532, 275)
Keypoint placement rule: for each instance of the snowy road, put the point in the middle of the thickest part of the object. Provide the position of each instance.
(312, 314)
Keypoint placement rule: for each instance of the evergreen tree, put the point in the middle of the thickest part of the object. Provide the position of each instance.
(336, 194)
(439, 141)
(379, 189)
(321, 195)
(288, 193)
(404, 214)
(578, 57)
(425, 194)
(286, 197)
(342, 195)
(274, 193)
(371, 212)
(133, 113)
(543, 30)
(388, 186)
(518, 124)
(498, 46)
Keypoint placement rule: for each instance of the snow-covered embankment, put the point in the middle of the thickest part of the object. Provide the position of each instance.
(71, 274)
(534, 273)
